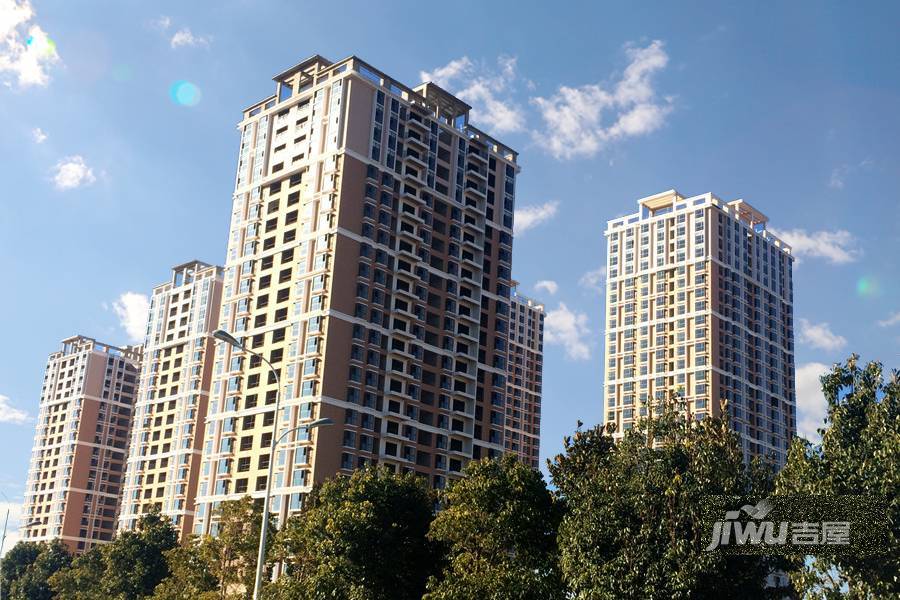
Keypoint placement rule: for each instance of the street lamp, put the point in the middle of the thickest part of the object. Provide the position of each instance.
(3, 539)
(224, 336)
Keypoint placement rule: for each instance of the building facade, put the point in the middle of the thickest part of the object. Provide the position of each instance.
(80, 445)
(369, 260)
(524, 381)
(170, 411)
(699, 299)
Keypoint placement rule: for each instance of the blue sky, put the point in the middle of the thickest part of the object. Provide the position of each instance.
(109, 182)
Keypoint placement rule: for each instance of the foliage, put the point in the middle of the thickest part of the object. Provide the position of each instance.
(583, 459)
(359, 537)
(624, 521)
(221, 567)
(27, 569)
(192, 576)
(233, 551)
(633, 527)
(19, 558)
(128, 568)
(859, 453)
(84, 579)
(499, 525)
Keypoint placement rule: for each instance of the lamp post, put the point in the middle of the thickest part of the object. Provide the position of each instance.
(224, 336)
(3, 539)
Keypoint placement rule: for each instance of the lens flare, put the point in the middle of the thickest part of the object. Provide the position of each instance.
(185, 93)
(41, 43)
(122, 73)
(867, 287)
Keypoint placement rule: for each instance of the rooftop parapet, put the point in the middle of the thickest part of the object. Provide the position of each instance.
(672, 201)
(78, 343)
(428, 97)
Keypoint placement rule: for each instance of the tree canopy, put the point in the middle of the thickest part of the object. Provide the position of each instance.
(28, 567)
(498, 525)
(128, 568)
(859, 453)
(359, 537)
(623, 520)
(221, 567)
(633, 525)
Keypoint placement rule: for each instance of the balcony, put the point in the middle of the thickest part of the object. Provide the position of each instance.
(476, 171)
(414, 139)
(476, 153)
(477, 189)
(416, 159)
(418, 121)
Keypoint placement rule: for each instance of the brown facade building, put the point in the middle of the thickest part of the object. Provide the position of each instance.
(167, 437)
(700, 301)
(81, 442)
(524, 379)
(369, 260)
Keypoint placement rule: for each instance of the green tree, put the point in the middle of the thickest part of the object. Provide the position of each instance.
(28, 567)
(499, 526)
(583, 459)
(19, 558)
(192, 576)
(220, 567)
(633, 525)
(232, 553)
(859, 453)
(83, 580)
(128, 568)
(359, 537)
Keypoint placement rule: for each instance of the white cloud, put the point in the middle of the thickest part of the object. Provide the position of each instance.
(443, 76)
(581, 121)
(578, 121)
(38, 135)
(893, 319)
(72, 172)
(594, 280)
(487, 89)
(529, 217)
(569, 329)
(184, 37)
(811, 404)
(132, 309)
(838, 247)
(819, 335)
(11, 414)
(839, 174)
(163, 22)
(547, 285)
(26, 51)
(714, 33)
(15, 515)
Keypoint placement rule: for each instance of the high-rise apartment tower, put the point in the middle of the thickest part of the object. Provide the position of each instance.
(81, 441)
(700, 300)
(167, 438)
(369, 260)
(525, 379)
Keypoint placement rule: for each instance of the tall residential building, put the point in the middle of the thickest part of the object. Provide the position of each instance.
(369, 260)
(700, 299)
(524, 379)
(176, 376)
(81, 442)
